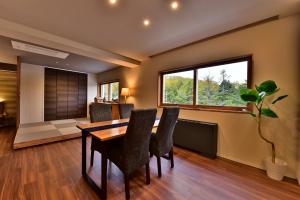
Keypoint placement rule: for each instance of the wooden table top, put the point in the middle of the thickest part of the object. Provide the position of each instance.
(112, 133)
(102, 124)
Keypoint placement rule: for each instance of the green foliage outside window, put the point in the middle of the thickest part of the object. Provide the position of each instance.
(115, 90)
(216, 86)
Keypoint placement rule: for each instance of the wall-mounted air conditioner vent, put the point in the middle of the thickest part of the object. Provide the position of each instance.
(38, 50)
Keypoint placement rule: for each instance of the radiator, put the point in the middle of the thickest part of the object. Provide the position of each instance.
(198, 136)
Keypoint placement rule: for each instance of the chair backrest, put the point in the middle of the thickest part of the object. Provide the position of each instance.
(125, 110)
(164, 133)
(100, 112)
(137, 139)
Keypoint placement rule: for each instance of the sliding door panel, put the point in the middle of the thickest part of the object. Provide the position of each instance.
(50, 95)
(82, 95)
(62, 95)
(72, 95)
(65, 94)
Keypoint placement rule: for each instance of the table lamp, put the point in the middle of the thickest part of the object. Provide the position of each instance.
(125, 93)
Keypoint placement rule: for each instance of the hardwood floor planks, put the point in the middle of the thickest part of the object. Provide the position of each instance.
(53, 171)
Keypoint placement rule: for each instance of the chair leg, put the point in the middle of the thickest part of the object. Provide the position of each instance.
(147, 174)
(92, 157)
(159, 166)
(171, 158)
(127, 189)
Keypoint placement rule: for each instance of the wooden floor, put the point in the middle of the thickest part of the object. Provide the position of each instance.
(53, 171)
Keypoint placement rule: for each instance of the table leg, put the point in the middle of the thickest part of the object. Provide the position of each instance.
(104, 175)
(83, 161)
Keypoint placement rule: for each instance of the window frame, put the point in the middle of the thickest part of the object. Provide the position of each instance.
(194, 105)
(109, 88)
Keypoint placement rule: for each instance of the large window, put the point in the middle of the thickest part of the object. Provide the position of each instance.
(110, 91)
(207, 86)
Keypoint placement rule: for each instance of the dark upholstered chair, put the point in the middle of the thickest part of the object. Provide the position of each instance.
(100, 112)
(161, 142)
(125, 110)
(133, 151)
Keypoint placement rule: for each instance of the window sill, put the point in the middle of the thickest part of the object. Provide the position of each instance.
(228, 110)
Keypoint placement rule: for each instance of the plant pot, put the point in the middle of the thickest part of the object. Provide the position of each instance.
(275, 170)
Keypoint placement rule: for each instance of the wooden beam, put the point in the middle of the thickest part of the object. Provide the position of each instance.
(33, 36)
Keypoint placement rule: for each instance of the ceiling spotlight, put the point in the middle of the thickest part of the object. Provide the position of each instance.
(113, 2)
(174, 5)
(146, 22)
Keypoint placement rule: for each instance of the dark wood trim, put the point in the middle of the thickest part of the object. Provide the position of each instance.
(18, 90)
(195, 87)
(270, 19)
(110, 81)
(194, 105)
(8, 67)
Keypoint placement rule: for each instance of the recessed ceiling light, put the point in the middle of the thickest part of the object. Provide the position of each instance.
(146, 22)
(174, 5)
(38, 50)
(113, 2)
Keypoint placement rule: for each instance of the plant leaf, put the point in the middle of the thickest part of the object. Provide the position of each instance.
(280, 98)
(249, 95)
(261, 96)
(268, 112)
(269, 87)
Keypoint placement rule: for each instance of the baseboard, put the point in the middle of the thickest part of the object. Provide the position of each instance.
(257, 166)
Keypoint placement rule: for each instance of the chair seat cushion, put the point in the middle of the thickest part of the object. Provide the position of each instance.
(100, 146)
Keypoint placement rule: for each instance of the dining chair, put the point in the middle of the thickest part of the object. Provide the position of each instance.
(161, 142)
(99, 112)
(125, 110)
(133, 151)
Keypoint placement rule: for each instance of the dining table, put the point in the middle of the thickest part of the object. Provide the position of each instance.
(103, 131)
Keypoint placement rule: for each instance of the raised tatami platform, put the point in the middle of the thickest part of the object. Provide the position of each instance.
(45, 132)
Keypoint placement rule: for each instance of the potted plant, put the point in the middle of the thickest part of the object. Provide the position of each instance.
(257, 97)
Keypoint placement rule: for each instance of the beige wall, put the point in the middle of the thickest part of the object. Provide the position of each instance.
(92, 90)
(7, 58)
(31, 93)
(275, 56)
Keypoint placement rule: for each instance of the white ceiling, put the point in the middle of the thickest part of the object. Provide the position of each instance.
(72, 62)
(119, 29)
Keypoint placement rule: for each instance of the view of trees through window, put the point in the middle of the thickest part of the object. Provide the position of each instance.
(105, 91)
(115, 91)
(215, 85)
(220, 85)
(110, 91)
(178, 87)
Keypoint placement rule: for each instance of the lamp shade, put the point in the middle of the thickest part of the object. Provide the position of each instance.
(125, 92)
